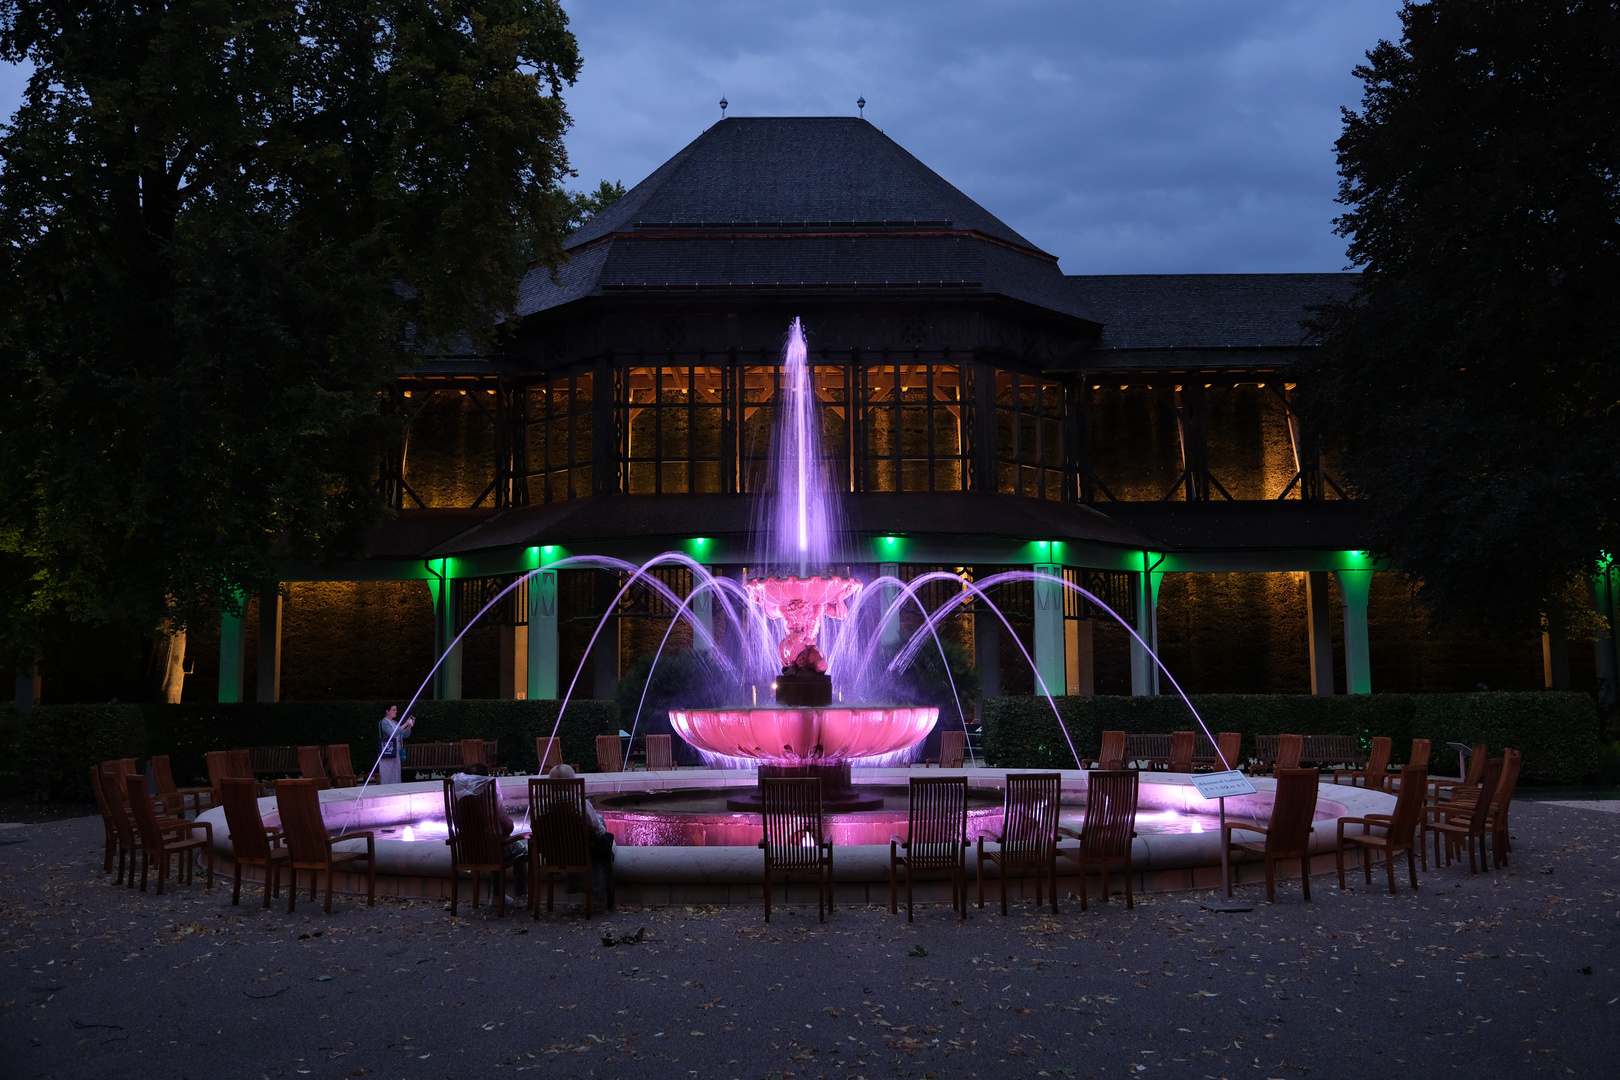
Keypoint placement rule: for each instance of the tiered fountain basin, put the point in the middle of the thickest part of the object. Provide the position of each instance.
(689, 873)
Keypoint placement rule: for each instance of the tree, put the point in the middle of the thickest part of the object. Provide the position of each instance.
(1471, 386)
(224, 227)
(580, 206)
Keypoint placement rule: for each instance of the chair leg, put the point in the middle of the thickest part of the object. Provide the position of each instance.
(1271, 881)
(1305, 873)
(894, 886)
(981, 875)
(767, 892)
(1001, 876)
(329, 876)
(1338, 860)
(1411, 865)
(908, 895)
(236, 888)
(1130, 886)
(1389, 868)
(1052, 870)
(455, 890)
(1080, 864)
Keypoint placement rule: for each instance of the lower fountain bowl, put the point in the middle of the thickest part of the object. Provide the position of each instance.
(779, 735)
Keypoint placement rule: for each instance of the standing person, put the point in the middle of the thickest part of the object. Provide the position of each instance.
(392, 735)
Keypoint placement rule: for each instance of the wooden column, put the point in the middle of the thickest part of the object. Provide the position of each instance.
(270, 645)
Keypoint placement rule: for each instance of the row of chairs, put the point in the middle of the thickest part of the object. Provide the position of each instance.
(1185, 751)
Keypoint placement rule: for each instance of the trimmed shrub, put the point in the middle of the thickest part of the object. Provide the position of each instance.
(1556, 731)
(60, 742)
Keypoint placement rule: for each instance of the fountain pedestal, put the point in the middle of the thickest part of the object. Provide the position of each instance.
(837, 793)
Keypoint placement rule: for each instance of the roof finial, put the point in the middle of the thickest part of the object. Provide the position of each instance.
(860, 103)
(723, 104)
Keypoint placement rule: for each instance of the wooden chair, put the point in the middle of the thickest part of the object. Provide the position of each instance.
(341, 765)
(1418, 756)
(1376, 774)
(224, 763)
(478, 841)
(793, 840)
(311, 847)
(252, 842)
(1181, 751)
(311, 767)
(559, 839)
(1470, 778)
(472, 753)
(1288, 833)
(162, 837)
(660, 753)
(609, 754)
(109, 827)
(1108, 830)
(936, 839)
(1230, 746)
(1112, 755)
(549, 751)
(114, 790)
(1497, 823)
(952, 750)
(1028, 837)
(1289, 748)
(1400, 830)
(1462, 818)
(174, 798)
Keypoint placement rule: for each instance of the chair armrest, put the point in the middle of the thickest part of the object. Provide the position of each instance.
(762, 845)
(983, 835)
(1072, 834)
(895, 841)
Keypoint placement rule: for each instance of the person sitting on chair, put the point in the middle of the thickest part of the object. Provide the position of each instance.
(601, 840)
(471, 782)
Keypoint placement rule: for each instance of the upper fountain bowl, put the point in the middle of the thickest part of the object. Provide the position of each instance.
(787, 736)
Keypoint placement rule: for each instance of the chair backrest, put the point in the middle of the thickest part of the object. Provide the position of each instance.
(113, 789)
(937, 821)
(143, 817)
(219, 767)
(1420, 753)
(549, 751)
(1508, 783)
(101, 796)
(1408, 813)
(1490, 777)
(1293, 810)
(298, 803)
(242, 818)
(1476, 764)
(1112, 754)
(1181, 751)
(791, 813)
(660, 753)
(310, 765)
(1289, 747)
(240, 763)
(1110, 813)
(1378, 759)
(1030, 820)
(1231, 745)
(472, 752)
(476, 835)
(952, 749)
(559, 831)
(342, 765)
(609, 754)
(163, 774)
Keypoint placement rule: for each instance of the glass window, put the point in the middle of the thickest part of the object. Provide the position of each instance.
(674, 420)
(913, 438)
(1029, 436)
(560, 439)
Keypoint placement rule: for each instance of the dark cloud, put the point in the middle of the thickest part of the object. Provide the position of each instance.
(1121, 135)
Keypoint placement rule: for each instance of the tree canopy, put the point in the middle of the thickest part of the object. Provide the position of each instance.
(1472, 385)
(224, 226)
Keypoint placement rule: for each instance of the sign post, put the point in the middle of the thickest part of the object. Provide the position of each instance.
(1219, 786)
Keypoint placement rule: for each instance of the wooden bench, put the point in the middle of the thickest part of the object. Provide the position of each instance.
(1153, 749)
(274, 760)
(440, 757)
(1317, 749)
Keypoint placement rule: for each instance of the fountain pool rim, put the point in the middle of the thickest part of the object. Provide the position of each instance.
(662, 876)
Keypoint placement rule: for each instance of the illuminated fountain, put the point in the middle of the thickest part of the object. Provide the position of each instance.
(803, 734)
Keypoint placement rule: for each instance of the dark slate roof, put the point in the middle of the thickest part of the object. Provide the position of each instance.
(1206, 311)
(1333, 525)
(794, 169)
(414, 533)
(791, 204)
(626, 517)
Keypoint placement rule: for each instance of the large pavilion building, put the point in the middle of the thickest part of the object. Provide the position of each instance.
(983, 409)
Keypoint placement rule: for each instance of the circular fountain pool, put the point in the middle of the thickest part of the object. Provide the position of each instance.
(1169, 853)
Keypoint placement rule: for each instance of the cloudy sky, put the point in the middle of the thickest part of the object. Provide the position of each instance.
(1124, 136)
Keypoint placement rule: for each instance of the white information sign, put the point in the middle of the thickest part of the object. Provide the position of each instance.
(1221, 784)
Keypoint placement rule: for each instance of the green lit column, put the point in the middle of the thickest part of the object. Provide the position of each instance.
(543, 660)
(232, 657)
(1354, 586)
(447, 679)
(1049, 648)
(1602, 590)
(1144, 672)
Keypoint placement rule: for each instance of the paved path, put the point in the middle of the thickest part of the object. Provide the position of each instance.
(1505, 974)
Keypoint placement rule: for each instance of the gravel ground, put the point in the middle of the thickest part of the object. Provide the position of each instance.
(1505, 974)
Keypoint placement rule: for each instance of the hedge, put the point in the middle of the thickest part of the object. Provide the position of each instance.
(60, 741)
(1557, 732)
